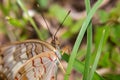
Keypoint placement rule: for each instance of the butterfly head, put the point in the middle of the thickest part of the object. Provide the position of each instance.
(55, 42)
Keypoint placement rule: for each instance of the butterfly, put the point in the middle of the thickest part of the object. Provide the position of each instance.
(31, 59)
(15, 55)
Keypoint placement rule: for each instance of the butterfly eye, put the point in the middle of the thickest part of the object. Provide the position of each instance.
(55, 42)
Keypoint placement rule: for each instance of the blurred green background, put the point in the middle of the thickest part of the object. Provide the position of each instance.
(15, 26)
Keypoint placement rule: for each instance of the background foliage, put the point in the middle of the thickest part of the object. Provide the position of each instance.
(16, 26)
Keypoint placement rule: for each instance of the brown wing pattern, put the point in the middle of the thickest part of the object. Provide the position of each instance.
(14, 55)
(40, 67)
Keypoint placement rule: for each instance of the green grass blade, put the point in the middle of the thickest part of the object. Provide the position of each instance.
(79, 66)
(89, 44)
(29, 18)
(79, 38)
(97, 57)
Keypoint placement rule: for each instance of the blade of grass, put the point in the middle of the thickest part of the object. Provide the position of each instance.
(97, 57)
(79, 66)
(89, 44)
(79, 38)
(29, 18)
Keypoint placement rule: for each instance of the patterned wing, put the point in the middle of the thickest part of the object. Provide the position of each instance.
(14, 55)
(27, 48)
(41, 67)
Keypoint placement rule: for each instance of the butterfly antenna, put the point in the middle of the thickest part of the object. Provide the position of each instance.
(61, 24)
(46, 23)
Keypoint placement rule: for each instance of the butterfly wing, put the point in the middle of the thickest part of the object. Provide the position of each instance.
(26, 49)
(41, 67)
(14, 55)
(51, 72)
